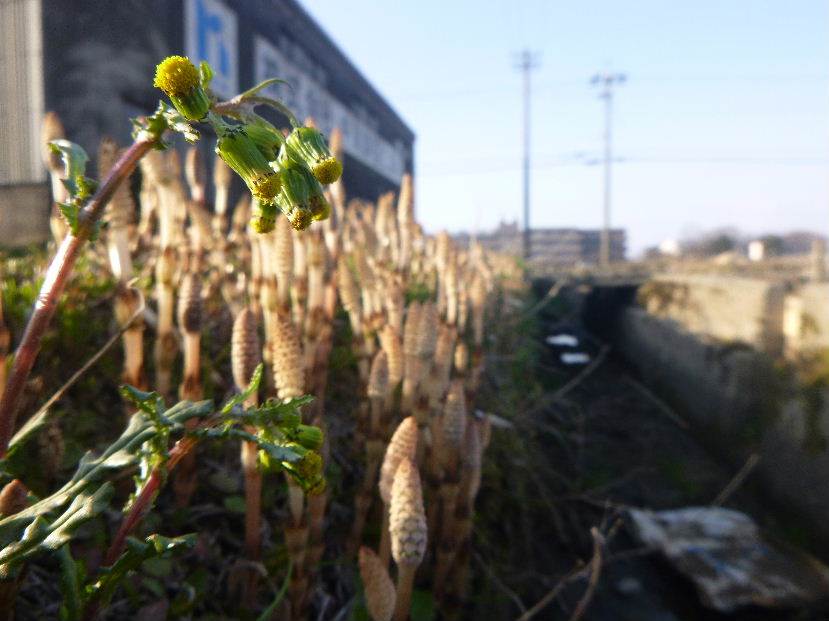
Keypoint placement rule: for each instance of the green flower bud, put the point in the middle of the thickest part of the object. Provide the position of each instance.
(266, 138)
(179, 79)
(307, 146)
(320, 209)
(239, 152)
(308, 470)
(263, 216)
(294, 198)
(309, 437)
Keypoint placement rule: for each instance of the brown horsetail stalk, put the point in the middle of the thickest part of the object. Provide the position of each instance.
(127, 303)
(378, 587)
(453, 430)
(166, 343)
(120, 212)
(289, 379)
(377, 391)
(245, 356)
(57, 275)
(407, 527)
(189, 318)
(283, 261)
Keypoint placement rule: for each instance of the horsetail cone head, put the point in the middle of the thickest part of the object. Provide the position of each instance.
(403, 445)
(179, 79)
(390, 341)
(288, 371)
(377, 585)
(378, 379)
(127, 303)
(244, 348)
(307, 145)
(407, 518)
(239, 152)
(189, 304)
(454, 416)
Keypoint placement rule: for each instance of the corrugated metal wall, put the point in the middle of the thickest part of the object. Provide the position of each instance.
(21, 91)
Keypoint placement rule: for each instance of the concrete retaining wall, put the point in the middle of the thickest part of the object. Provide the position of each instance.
(728, 308)
(738, 400)
(24, 214)
(806, 320)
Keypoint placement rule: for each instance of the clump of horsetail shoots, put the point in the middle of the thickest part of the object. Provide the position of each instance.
(407, 528)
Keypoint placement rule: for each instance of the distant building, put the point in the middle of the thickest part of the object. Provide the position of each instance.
(93, 61)
(553, 246)
(756, 250)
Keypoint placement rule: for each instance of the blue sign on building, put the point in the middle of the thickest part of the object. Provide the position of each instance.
(211, 34)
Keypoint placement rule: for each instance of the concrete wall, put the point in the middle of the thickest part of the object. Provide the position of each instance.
(24, 214)
(727, 308)
(736, 398)
(806, 320)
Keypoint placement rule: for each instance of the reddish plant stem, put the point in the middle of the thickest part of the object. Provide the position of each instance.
(145, 498)
(60, 269)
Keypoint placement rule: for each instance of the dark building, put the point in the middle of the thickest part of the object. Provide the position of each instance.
(93, 61)
(560, 247)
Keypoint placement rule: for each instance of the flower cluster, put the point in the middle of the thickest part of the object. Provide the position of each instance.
(283, 174)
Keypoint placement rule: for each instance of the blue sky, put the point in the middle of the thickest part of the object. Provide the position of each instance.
(723, 121)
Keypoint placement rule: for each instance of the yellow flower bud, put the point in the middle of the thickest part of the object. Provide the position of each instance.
(179, 79)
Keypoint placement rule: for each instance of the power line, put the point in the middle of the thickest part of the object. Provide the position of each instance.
(488, 168)
(498, 89)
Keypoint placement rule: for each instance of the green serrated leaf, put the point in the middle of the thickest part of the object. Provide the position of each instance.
(136, 553)
(253, 386)
(70, 210)
(152, 127)
(74, 160)
(145, 401)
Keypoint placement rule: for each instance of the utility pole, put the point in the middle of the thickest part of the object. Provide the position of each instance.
(605, 81)
(527, 61)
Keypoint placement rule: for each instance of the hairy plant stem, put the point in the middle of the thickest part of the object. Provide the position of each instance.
(55, 281)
